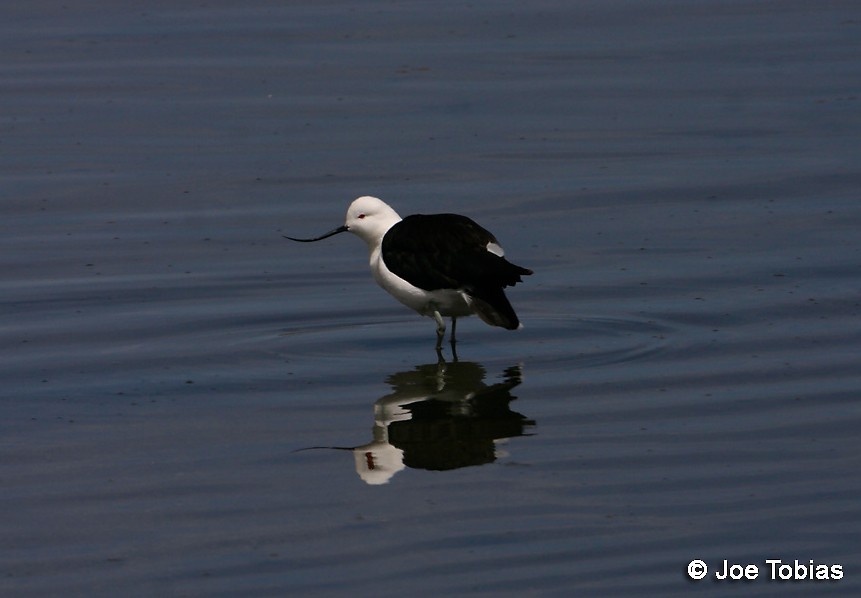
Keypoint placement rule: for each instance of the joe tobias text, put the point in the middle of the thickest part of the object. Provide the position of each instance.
(773, 569)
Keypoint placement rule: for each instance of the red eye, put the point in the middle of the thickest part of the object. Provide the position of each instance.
(361, 216)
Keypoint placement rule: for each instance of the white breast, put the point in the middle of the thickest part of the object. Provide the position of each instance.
(447, 302)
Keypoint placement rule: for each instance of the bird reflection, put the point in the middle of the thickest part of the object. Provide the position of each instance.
(440, 416)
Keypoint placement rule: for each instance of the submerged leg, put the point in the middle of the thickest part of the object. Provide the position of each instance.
(453, 328)
(440, 329)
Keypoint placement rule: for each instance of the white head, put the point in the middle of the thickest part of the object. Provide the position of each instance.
(369, 218)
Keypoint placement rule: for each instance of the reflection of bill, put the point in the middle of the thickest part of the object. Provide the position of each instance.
(439, 417)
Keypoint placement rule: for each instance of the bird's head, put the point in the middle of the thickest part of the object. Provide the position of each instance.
(367, 217)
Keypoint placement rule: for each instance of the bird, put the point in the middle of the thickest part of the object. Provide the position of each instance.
(440, 265)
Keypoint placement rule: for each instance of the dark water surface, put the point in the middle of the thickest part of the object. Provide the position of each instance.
(683, 178)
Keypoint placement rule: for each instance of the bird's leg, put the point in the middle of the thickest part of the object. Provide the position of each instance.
(440, 329)
(453, 339)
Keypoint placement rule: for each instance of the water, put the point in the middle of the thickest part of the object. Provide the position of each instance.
(193, 406)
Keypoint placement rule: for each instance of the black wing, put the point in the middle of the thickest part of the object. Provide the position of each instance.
(447, 251)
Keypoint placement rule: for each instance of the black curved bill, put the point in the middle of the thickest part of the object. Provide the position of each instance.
(340, 229)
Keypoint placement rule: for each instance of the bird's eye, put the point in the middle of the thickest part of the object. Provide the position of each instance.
(361, 216)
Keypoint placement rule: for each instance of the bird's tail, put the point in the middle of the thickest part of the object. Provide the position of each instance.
(492, 306)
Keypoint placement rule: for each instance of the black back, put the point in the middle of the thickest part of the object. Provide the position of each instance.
(449, 251)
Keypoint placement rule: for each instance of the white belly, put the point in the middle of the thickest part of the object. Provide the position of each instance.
(448, 302)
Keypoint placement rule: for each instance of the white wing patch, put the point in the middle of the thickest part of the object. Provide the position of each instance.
(495, 249)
